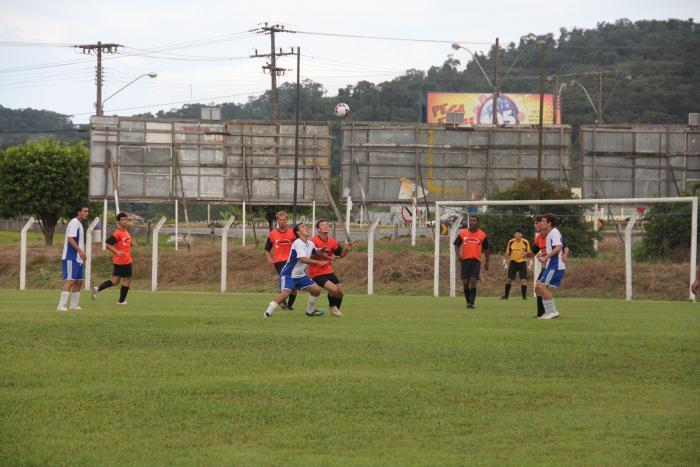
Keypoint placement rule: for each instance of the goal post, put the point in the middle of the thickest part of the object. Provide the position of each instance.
(577, 202)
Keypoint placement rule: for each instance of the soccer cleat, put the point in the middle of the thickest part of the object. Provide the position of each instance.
(550, 315)
(503, 297)
(284, 306)
(76, 308)
(122, 303)
(316, 312)
(470, 306)
(93, 293)
(61, 308)
(335, 311)
(266, 314)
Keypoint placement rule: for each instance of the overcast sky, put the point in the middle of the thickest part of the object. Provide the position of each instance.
(208, 44)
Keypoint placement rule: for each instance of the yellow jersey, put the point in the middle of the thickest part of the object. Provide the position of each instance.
(516, 249)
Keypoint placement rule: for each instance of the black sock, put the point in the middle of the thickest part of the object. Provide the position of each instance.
(472, 295)
(122, 293)
(106, 284)
(540, 306)
(290, 300)
(466, 295)
(523, 290)
(507, 292)
(332, 301)
(338, 302)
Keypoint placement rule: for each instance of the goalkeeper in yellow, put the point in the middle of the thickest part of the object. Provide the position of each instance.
(517, 252)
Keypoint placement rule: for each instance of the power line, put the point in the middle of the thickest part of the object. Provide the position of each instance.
(388, 38)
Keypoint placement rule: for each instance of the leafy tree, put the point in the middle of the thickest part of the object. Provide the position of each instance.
(47, 179)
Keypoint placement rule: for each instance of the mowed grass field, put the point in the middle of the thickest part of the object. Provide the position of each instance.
(202, 379)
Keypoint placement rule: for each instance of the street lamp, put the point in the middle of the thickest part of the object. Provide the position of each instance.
(595, 109)
(150, 75)
(600, 108)
(457, 46)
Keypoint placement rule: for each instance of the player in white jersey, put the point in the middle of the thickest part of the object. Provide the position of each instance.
(293, 275)
(554, 266)
(72, 261)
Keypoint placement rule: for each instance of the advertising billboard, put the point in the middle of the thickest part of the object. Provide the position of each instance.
(477, 108)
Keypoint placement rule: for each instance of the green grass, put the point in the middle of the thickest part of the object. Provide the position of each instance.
(201, 379)
(13, 238)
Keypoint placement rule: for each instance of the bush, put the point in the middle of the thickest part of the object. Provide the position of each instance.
(666, 232)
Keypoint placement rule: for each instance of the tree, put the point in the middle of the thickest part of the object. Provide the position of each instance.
(47, 179)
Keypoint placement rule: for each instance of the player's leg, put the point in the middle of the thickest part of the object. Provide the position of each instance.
(75, 294)
(291, 299)
(67, 286)
(474, 274)
(464, 274)
(314, 292)
(522, 274)
(286, 286)
(335, 297)
(278, 267)
(550, 279)
(511, 276)
(114, 280)
(125, 273)
(538, 293)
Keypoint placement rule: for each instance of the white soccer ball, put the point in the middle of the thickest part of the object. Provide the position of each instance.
(342, 110)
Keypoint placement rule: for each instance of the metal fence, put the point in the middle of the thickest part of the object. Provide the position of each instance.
(451, 164)
(235, 161)
(633, 161)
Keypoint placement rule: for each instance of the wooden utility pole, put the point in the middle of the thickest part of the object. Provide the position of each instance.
(271, 67)
(540, 46)
(496, 86)
(600, 98)
(296, 139)
(98, 49)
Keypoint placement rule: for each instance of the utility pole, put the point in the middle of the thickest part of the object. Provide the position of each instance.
(599, 121)
(98, 48)
(496, 86)
(555, 107)
(540, 46)
(271, 67)
(296, 139)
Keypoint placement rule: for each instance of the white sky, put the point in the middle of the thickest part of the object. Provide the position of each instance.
(333, 61)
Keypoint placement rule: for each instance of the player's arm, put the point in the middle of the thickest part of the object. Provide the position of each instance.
(268, 248)
(506, 255)
(487, 254)
(555, 251)
(109, 244)
(75, 245)
(458, 243)
(565, 253)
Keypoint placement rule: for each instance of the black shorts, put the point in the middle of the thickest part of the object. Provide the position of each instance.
(471, 268)
(121, 270)
(517, 268)
(279, 265)
(323, 278)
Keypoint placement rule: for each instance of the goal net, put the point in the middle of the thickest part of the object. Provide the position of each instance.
(644, 248)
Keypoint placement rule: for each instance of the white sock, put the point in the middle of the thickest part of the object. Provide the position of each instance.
(312, 304)
(549, 306)
(63, 301)
(271, 307)
(75, 299)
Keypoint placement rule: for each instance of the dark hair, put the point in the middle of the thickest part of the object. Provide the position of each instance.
(474, 217)
(318, 222)
(81, 207)
(550, 218)
(296, 228)
(519, 231)
(121, 215)
(537, 218)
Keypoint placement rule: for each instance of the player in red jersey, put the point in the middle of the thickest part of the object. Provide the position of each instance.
(119, 243)
(323, 274)
(470, 244)
(277, 248)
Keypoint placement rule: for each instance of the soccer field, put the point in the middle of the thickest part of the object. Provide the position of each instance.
(201, 379)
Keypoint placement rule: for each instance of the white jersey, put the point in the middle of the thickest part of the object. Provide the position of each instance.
(300, 249)
(75, 230)
(554, 239)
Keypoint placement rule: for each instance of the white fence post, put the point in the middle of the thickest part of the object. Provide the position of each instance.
(154, 255)
(244, 232)
(414, 221)
(370, 256)
(176, 223)
(224, 250)
(693, 243)
(23, 254)
(436, 260)
(628, 257)
(313, 215)
(596, 213)
(454, 228)
(88, 252)
(104, 225)
(348, 209)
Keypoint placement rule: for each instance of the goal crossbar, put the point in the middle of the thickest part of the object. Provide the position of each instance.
(578, 202)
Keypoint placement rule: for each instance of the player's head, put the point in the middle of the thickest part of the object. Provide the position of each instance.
(549, 221)
(536, 220)
(518, 233)
(122, 219)
(82, 212)
(301, 230)
(323, 226)
(281, 218)
(473, 222)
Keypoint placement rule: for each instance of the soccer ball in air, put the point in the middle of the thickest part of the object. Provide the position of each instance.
(342, 110)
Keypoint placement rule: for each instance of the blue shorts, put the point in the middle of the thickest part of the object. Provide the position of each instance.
(551, 277)
(290, 283)
(72, 270)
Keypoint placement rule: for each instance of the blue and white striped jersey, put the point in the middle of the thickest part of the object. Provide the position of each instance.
(300, 249)
(75, 230)
(554, 238)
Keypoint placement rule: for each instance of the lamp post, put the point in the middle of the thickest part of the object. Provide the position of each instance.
(150, 75)
(600, 108)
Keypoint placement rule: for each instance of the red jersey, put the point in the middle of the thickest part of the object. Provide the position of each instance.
(280, 243)
(121, 241)
(472, 243)
(334, 248)
(541, 242)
